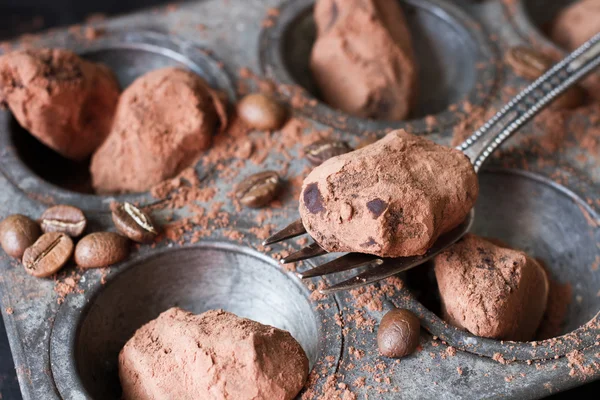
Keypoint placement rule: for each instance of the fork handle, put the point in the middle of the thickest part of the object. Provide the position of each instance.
(534, 98)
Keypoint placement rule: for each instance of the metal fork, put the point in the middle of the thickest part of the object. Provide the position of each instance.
(478, 147)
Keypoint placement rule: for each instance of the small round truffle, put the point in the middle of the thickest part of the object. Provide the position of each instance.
(398, 333)
(260, 111)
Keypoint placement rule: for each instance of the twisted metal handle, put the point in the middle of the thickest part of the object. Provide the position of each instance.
(534, 98)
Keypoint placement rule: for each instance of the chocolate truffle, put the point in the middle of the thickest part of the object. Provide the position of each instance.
(164, 120)
(491, 290)
(65, 102)
(392, 198)
(576, 24)
(363, 60)
(214, 355)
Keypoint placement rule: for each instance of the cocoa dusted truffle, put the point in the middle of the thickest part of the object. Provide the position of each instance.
(363, 60)
(163, 122)
(392, 198)
(214, 355)
(491, 290)
(576, 24)
(67, 103)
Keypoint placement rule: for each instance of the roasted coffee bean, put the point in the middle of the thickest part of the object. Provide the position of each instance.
(65, 219)
(527, 62)
(531, 64)
(48, 254)
(101, 249)
(133, 222)
(261, 111)
(259, 189)
(17, 233)
(322, 150)
(398, 333)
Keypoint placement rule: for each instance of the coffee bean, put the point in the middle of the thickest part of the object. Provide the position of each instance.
(398, 333)
(48, 254)
(133, 222)
(62, 218)
(531, 64)
(101, 249)
(260, 111)
(527, 62)
(259, 189)
(17, 233)
(322, 150)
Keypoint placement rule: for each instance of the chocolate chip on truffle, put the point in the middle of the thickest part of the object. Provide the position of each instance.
(369, 243)
(398, 333)
(377, 207)
(312, 199)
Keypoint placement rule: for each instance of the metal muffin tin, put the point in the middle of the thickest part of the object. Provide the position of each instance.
(70, 350)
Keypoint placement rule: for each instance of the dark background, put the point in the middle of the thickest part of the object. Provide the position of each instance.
(19, 17)
(30, 16)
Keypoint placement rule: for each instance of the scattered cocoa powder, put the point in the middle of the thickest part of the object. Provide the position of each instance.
(369, 297)
(451, 351)
(66, 283)
(579, 365)
(499, 358)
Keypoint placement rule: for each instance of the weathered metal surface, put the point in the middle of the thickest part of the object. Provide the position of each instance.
(69, 351)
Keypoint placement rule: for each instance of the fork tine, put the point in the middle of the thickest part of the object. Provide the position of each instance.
(310, 251)
(393, 266)
(292, 230)
(386, 269)
(343, 263)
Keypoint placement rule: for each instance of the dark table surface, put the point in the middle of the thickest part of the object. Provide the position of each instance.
(9, 387)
